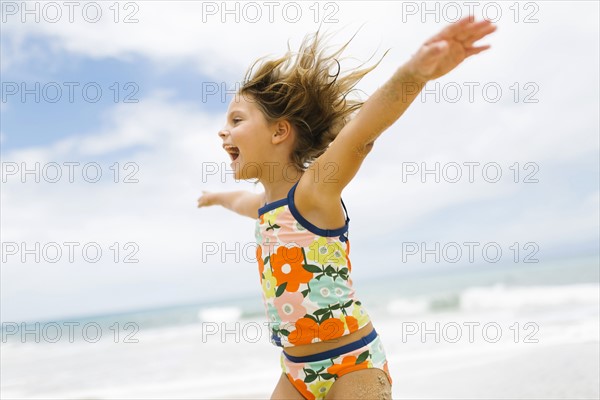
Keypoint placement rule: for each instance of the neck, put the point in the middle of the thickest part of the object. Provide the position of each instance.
(278, 184)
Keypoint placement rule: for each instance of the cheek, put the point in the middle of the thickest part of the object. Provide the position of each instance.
(253, 144)
(253, 139)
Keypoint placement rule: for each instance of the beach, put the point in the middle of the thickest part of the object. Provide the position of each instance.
(478, 342)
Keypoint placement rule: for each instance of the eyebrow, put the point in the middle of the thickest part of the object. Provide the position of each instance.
(234, 111)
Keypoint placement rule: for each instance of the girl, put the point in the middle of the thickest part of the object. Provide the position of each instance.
(289, 126)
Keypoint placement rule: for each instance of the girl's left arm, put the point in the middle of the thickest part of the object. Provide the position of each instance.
(436, 57)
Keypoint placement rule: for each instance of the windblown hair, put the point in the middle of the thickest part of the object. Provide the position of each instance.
(299, 87)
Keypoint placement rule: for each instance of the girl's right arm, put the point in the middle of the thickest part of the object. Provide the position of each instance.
(435, 58)
(240, 201)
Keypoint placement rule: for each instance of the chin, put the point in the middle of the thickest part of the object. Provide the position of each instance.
(244, 172)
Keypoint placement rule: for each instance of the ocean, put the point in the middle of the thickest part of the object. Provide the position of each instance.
(516, 331)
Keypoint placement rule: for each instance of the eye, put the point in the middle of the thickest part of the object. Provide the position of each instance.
(236, 119)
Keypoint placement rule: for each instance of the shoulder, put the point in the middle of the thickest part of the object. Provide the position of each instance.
(323, 210)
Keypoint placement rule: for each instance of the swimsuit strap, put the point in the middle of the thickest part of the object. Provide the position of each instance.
(293, 188)
(346, 211)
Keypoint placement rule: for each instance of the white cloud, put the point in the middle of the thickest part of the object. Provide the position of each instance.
(173, 32)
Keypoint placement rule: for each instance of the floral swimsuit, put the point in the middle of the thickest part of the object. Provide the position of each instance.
(308, 296)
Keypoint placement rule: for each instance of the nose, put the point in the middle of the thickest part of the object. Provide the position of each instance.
(223, 133)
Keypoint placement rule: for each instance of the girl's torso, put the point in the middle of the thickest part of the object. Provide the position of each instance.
(323, 269)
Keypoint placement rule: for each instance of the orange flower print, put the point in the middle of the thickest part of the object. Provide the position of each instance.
(306, 330)
(287, 267)
(331, 328)
(301, 386)
(387, 371)
(261, 264)
(352, 323)
(347, 365)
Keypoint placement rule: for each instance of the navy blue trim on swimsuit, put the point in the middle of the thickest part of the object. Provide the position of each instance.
(312, 228)
(337, 351)
(276, 340)
(272, 206)
(289, 200)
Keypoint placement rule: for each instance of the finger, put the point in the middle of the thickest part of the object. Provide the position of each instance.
(472, 30)
(476, 50)
(463, 24)
(479, 34)
(451, 30)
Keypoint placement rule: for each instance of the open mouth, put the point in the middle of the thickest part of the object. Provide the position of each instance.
(233, 151)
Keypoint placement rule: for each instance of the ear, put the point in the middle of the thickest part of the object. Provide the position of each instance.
(282, 131)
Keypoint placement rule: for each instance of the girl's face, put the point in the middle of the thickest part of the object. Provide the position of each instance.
(246, 137)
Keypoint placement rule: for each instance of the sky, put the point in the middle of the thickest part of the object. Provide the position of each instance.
(108, 133)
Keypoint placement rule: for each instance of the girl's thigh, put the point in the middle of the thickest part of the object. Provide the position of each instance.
(370, 383)
(285, 390)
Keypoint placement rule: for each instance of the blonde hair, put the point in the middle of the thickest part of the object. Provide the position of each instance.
(298, 87)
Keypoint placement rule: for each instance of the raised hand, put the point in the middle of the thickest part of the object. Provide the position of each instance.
(446, 50)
